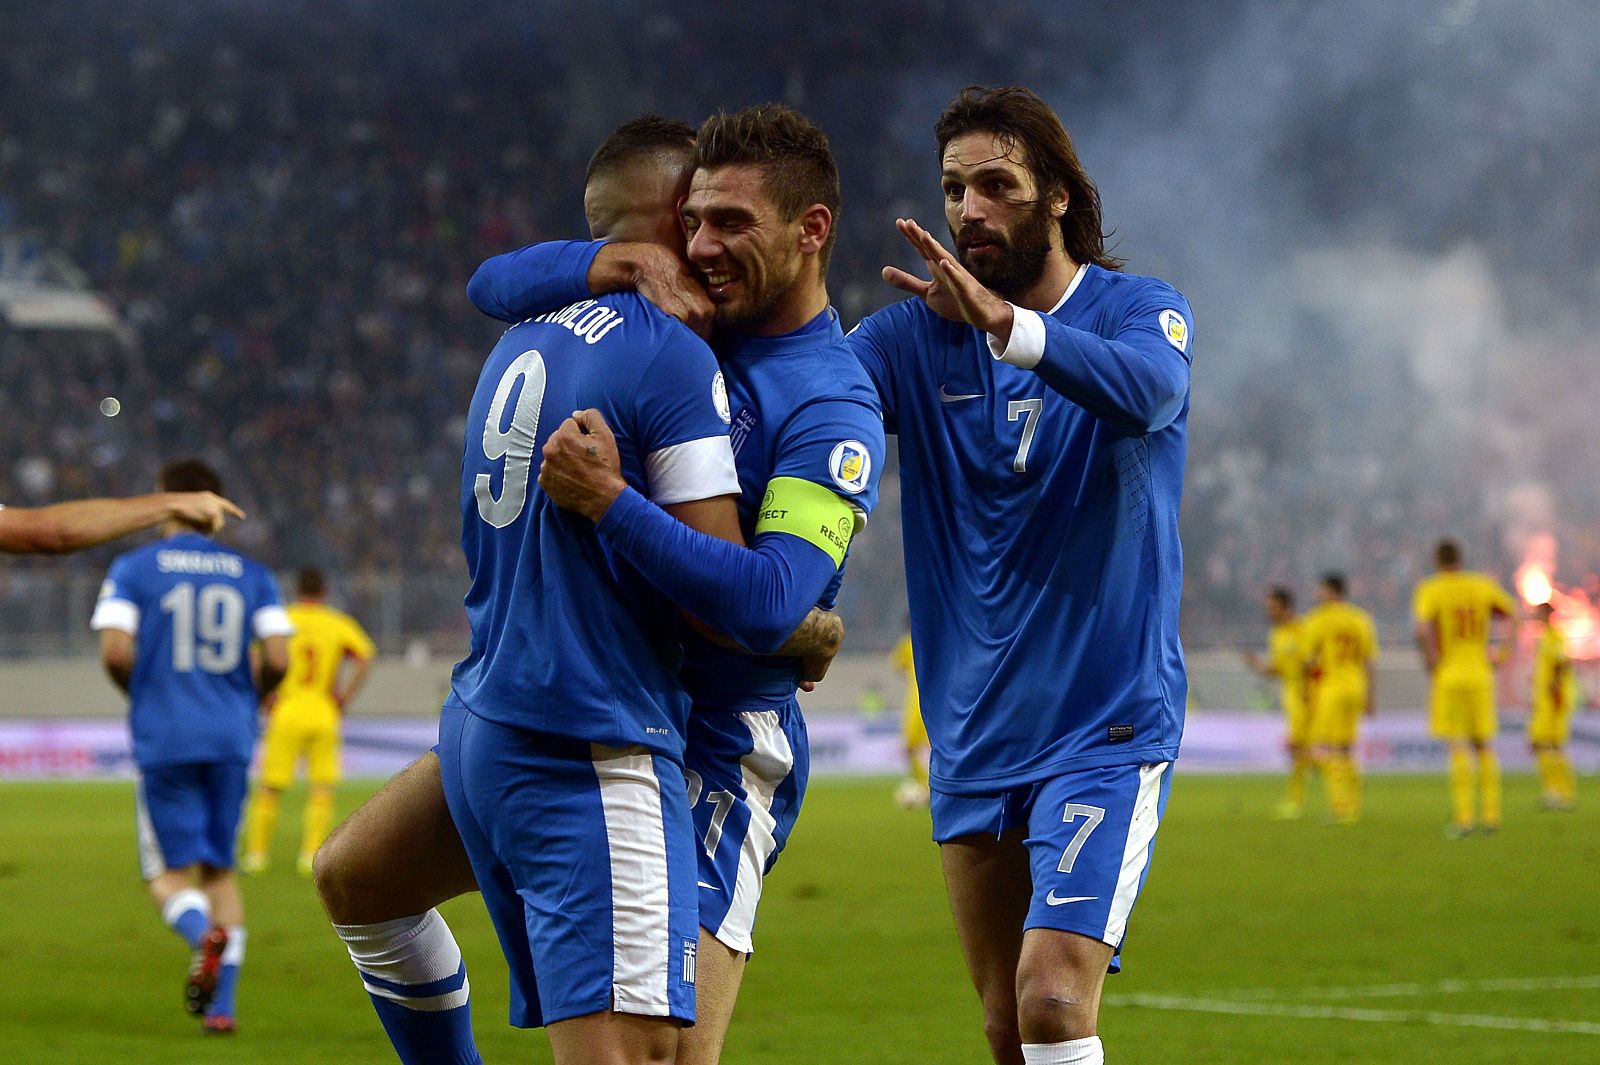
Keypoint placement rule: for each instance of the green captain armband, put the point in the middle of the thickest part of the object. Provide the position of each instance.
(806, 509)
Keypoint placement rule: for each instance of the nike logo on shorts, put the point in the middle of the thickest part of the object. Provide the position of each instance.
(946, 397)
(1053, 899)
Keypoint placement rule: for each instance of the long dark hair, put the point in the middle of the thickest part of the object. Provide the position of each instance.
(1021, 118)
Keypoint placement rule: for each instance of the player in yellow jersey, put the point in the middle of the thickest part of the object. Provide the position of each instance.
(305, 720)
(1555, 696)
(1342, 645)
(1454, 612)
(913, 791)
(1286, 662)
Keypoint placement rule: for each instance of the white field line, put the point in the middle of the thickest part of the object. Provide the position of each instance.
(1439, 987)
(1350, 1013)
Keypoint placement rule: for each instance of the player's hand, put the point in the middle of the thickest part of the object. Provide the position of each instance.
(953, 292)
(813, 668)
(582, 469)
(657, 274)
(203, 510)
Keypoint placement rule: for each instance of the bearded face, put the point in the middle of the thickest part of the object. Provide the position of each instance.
(1007, 261)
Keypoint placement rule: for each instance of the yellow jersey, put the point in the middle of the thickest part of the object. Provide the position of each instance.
(1286, 657)
(1555, 686)
(1340, 640)
(323, 638)
(1461, 606)
(902, 661)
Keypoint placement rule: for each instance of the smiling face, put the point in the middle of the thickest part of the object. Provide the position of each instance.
(747, 254)
(1003, 229)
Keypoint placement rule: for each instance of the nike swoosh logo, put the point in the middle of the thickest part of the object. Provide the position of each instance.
(945, 397)
(1053, 899)
(710, 887)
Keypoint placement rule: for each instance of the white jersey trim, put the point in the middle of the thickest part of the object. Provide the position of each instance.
(271, 621)
(1136, 854)
(642, 945)
(695, 469)
(119, 614)
(1026, 346)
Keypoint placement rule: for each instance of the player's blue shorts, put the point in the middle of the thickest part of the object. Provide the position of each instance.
(1090, 835)
(747, 773)
(189, 813)
(585, 857)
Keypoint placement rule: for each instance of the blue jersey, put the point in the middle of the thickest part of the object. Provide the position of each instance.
(192, 606)
(803, 408)
(1040, 512)
(567, 639)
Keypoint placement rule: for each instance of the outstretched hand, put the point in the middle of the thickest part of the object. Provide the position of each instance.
(952, 292)
(660, 276)
(582, 470)
(203, 510)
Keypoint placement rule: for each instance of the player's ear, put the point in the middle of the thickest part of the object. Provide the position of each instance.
(816, 225)
(1059, 200)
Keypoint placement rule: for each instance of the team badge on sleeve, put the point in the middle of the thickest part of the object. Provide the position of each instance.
(850, 466)
(719, 397)
(1175, 329)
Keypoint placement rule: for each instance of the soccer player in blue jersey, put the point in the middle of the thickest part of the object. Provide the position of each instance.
(176, 620)
(809, 445)
(770, 588)
(1041, 397)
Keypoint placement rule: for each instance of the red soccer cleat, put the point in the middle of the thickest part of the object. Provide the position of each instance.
(202, 983)
(218, 1024)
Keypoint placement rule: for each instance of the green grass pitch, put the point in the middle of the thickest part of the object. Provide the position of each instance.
(1255, 942)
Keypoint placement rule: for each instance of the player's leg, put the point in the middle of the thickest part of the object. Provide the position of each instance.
(279, 752)
(987, 877)
(1483, 727)
(1091, 836)
(322, 777)
(380, 875)
(171, 814)
(226, 784)
(746, 775)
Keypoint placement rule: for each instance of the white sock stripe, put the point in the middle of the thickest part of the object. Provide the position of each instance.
(1136, 854)
(181, 902)
(1087, 1051)
(233, 953)
(409, 950)
(642, 950)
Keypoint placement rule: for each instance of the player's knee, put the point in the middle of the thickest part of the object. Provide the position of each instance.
(331, 872)
(1052, 1007)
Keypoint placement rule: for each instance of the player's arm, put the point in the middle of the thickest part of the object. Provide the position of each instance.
(541, 277)
(1136, 381)
(274, 664)
(1425, 628)
(63, 527)
(1503, 607)
(357, 678)
(117, 653)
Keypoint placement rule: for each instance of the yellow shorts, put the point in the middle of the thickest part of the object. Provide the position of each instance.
(1549, 727)
(1463, 713)
(293, 733)
(1336, 716)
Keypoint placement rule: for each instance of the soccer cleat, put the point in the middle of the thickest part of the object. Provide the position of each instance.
(203, 969)
(252, 864)
(1288, 811)
(1455, 832)
(218, 1024)
(304, 865)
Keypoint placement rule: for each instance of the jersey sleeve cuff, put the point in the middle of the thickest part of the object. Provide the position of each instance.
(271, 621)
(695, 469)
(1026, 346)
(117, 614)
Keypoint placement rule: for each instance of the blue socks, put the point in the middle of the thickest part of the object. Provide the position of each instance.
(188, 913)
(228, 975)
(413, 972)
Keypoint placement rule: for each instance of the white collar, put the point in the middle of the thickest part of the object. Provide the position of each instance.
(1077, 278)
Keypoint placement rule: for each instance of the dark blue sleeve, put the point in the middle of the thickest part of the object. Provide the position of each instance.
(1136, 380)
(875, 345)
(757, 595)
(539, 277)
